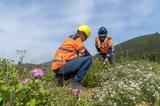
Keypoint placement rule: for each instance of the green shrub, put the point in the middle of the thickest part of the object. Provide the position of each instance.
(37, 92)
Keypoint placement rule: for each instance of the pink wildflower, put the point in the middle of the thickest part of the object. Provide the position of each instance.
(37, 72)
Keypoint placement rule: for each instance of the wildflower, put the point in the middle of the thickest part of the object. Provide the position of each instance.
(76, 92)
(37, 72)
(26, 81)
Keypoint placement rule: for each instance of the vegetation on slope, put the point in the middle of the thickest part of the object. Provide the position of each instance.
(124, 84)
(143, 47)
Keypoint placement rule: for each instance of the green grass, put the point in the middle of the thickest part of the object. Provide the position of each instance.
(124, 84)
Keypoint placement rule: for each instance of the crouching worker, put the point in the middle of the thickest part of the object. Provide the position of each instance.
(72, 60)
(103, 44)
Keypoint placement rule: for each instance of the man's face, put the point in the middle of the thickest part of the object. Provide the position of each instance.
(83, 36)
(102, 37)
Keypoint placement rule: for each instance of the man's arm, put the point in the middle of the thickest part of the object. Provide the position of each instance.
(98, 49)
(86, 52)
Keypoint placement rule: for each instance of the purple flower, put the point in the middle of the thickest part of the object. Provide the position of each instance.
(37, 72)
(76, 92)
(26, 81)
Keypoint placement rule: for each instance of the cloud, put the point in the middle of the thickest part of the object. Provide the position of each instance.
(41, 26)
(81, 12)
(123, 17)
(143, 7)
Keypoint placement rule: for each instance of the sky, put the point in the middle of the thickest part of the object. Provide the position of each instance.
(40, 26)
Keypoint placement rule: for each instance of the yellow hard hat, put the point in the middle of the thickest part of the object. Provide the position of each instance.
(86, 29)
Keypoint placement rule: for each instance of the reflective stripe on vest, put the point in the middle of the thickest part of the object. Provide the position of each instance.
(68, 50)
(103, 44)
(74, 37)
(65, 49)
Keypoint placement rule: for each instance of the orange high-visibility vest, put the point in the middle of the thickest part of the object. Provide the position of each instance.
(104, 45)
(71, 48)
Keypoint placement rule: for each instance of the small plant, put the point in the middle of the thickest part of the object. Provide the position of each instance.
(33, 90)
(129, 84)
(126, 84)
(21, 55)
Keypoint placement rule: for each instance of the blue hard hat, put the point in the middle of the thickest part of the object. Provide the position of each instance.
(102, 31)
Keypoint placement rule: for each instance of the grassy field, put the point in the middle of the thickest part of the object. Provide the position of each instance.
(128, 83)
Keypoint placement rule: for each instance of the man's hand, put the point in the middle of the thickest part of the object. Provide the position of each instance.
(99, 53)
(85, 53)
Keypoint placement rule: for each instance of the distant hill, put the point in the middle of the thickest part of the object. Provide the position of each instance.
(46, 64)
(143, 47)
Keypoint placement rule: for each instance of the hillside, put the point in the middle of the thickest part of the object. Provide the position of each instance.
(46, 64)
(143, 47)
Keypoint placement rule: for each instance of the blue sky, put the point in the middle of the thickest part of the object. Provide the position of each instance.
(40, 26)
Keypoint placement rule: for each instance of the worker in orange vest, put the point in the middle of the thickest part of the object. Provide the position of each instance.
(72, 59)
(104, 46)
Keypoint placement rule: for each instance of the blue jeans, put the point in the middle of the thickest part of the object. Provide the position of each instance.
(111, 57)
(76, 68)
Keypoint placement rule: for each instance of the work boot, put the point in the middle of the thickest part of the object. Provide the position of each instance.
(59, 80)
(106, 61)
(75, 84)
